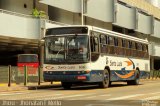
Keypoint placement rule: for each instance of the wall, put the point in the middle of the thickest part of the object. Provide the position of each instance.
(20, 27)
(63, 16)
(144, 24)
(156, 28)
(98, 23)
(125, 16)
(69, 5)
(142, 4)
(156, 3)
(157, 50)
(17, 6)
(67, 17)
(100, 9)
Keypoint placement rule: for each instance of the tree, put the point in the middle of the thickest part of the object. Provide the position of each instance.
(38, 14)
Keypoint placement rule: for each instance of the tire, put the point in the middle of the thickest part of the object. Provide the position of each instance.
(136, 80)
(66, 85)
(106, 80)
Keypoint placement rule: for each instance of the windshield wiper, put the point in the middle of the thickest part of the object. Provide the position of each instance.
(59, 52)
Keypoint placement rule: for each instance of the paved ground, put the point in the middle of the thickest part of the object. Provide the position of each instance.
(18, 87)
(119, 94)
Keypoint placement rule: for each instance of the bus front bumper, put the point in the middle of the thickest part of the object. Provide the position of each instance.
(66, 78)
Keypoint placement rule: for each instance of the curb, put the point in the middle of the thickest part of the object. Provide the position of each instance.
(6, 84)
(31, 86)
(10, 89)
(151, 79)
(35, 87)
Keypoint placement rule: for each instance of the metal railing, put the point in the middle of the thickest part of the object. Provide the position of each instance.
(31, 16)
(11, 74)
(16, 14)
(19, 75)
(154, 74)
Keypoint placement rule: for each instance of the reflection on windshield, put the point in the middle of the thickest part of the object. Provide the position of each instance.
(54, 49)
(66, 49)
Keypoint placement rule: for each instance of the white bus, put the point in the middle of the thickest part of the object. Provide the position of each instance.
(89, 54)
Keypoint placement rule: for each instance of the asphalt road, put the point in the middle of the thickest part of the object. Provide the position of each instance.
(119, 94)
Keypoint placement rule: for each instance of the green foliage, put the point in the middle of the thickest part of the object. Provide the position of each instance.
(38, 14)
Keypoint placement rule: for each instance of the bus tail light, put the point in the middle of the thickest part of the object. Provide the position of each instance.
(81, 78)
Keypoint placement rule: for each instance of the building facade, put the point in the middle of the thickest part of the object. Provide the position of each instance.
(139, 18)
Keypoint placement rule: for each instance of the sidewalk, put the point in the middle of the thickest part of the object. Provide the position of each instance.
(30, 86)
(14, 87)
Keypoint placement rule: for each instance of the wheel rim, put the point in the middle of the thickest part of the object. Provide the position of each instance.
(137, 77)
(106, 77)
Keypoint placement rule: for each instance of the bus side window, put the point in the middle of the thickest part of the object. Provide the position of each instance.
(103, 44)
(139, 52)
(107, 42)
(123, 43)
(134, 51)
(129, 48)
(94, 48)
(130, 44)
(115, 41)
(119, 47)
(136, 46)
(139, 47)
(122, 46)
(94, 44)
(145, 48)
(145, 51)
(103, 40)
(115, 46)
(110, 40)
(111, 45)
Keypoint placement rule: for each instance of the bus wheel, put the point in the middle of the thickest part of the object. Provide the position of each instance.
(66, 85)
(106, 79)
(136, 80)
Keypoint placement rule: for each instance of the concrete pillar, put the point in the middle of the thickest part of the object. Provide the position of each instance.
(41, 55)
(152, 62)
(41, 46)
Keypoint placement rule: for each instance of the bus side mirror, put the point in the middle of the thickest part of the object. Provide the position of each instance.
(41, 42)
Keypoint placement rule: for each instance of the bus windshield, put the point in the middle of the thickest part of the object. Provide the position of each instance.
(27, 58)
(70, 49)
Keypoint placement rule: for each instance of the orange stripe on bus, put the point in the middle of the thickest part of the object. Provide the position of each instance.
(126, 75)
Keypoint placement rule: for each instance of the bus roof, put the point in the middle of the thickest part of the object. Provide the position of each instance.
(109, 32)
(116, 34)
(27, 54)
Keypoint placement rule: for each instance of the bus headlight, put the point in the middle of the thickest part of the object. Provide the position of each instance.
(87, 71)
